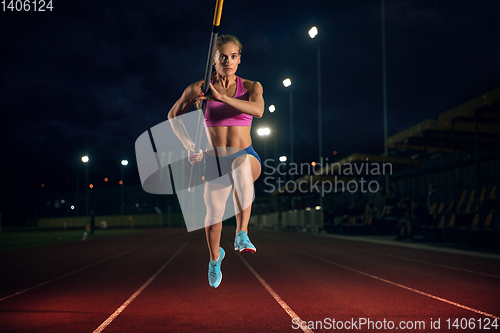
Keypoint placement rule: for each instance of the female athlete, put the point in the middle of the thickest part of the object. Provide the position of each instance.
(231, 104)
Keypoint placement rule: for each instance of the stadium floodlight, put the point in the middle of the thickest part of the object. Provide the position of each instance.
(313, 32)
(263, 131)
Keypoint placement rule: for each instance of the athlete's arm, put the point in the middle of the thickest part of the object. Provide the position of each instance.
(253, 107)
(183, 104)
(186, 101)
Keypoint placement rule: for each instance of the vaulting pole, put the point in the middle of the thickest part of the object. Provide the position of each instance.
(206, 87)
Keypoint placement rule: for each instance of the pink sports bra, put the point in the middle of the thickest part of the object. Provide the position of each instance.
(220, 114)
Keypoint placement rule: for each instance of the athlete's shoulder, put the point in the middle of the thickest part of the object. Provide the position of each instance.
(196, 85)
(193, 88)
(252, 86)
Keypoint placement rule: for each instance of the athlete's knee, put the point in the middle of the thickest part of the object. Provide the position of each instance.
(213, 224)
(215, 213)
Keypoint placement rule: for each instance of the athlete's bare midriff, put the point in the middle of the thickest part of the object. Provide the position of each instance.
(229, 136)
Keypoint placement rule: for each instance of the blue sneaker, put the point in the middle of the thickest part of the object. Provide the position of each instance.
(214, 273)
(242, 243)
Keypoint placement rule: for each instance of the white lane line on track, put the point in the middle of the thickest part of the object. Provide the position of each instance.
(395, 284)
(434, 264)
(70, 273)
(426, 262)
(134, 295)
(278, 299)
(412, 245)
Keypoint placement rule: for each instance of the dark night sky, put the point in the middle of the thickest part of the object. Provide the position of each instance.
(96, 74)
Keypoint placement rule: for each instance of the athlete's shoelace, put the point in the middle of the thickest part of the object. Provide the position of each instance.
(212, 271)
(245, 242)
(243, 239)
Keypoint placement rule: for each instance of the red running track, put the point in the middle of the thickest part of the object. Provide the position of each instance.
(156, 281)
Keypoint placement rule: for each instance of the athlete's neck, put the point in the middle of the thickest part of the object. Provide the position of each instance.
(225, 81)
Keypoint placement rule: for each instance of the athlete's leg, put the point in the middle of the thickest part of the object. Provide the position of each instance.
(215, 196)
(244, 174)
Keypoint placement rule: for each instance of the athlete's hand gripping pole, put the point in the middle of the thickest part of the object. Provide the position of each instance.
(206, 86)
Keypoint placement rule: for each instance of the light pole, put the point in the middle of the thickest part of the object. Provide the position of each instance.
(124, 163)
(272, 108)
(384, 85)
(283, 159)
(85, 159)
(313, 32)
(288, 83)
